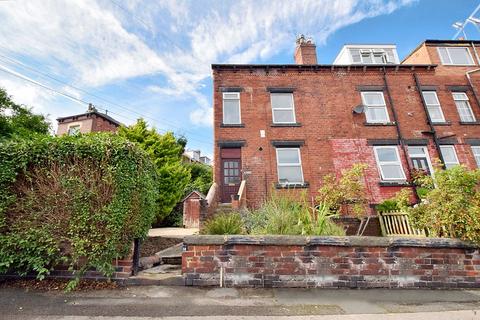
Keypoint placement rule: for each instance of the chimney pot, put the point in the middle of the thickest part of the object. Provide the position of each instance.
(305, 51)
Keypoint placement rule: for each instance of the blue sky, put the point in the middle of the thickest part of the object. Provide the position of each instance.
(152, 59)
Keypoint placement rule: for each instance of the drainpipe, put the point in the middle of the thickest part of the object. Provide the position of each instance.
(399, 132)
(467, 74)
(429, 120)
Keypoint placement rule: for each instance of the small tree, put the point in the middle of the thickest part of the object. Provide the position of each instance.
(166, 152)
(452, 208)
(17, 121)
(348, 191)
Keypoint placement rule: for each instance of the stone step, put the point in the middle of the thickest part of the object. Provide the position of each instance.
(165, 274)
(172, 255)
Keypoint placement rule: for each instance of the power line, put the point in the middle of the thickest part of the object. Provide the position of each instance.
(98, 97)
(18, 75)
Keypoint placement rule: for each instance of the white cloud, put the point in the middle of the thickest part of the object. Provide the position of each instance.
(96, 42)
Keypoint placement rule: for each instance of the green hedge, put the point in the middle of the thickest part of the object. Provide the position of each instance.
(78, 201)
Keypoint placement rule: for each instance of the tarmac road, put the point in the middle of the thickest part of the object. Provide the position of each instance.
(224, 303)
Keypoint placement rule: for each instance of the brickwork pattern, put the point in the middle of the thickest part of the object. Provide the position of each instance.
(330, 262)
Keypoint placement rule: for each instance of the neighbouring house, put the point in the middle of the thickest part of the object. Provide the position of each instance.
(191, 155)
(90, 121)
(285, 126)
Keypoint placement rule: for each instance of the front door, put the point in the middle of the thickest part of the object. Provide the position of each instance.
(231, 174)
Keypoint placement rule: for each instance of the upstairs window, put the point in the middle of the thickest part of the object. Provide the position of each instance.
(455, 56)
(476, 154)
(463, 106)
(231, 108)
(433, 106)
(372, 56)
(283, 110)
(376, 109)
(73, 130)
(449, 156)
(389, 164)
(289, 166)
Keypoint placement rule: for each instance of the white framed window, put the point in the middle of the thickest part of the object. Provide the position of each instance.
(73, 130)
(372, 56)
(231, 108)
(283, 109)
(433, 106)
(289, 166)
(476, 154)
(420, 158)
(449, 156)
(459, 56)
(463, 106)
(389, 163)
(376, 109)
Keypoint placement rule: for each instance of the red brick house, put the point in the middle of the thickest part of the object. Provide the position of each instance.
(90, 121)
(286, 126)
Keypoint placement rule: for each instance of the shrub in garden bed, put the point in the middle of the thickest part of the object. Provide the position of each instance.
(77, 201)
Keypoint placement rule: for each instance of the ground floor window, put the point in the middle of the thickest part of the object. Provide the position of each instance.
(449, 155)
(476, 154)
(420, 159)
(289, 166)
(389, 163)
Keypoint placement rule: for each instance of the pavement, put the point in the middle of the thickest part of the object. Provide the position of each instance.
(177, 233)
(171, 303)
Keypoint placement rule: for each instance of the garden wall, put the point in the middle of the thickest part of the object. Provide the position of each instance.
(330, 262)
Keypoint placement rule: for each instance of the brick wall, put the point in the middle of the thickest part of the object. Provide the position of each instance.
(331, 262)
(191, 210)
(101, 124)
(334, 137)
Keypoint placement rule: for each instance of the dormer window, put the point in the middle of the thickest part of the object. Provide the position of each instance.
(372, 56)
(457, 56)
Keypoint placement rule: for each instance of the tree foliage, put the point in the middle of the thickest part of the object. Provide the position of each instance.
(17, 121)
(451, 206)
(201, 177)
(348, 190)
(166, 152)
(78, 201)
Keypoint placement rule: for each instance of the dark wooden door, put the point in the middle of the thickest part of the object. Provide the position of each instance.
(231, 171)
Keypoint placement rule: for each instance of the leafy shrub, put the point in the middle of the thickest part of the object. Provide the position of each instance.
(286, 215)
(400, 201)
(79, 201)
(452, 208)
(348, 190)
(224, 223)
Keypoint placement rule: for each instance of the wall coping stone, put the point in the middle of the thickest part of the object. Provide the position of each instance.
(347, 241)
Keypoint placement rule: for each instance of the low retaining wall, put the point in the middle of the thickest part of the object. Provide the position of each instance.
(330, 262)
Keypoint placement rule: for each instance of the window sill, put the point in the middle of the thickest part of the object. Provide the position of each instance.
(469, 123)
(379, 124)
(225, 125)
(394, 184)
(296, 124)
(292, 186)
(446, 123)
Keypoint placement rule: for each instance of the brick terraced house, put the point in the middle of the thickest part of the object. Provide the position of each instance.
(286, 126)
(90, 121)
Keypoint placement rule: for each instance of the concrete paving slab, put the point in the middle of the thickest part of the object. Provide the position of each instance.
(177, 233)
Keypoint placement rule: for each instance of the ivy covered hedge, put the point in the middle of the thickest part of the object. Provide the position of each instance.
(78, 201)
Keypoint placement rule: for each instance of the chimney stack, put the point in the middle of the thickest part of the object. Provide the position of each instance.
(305, 51)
